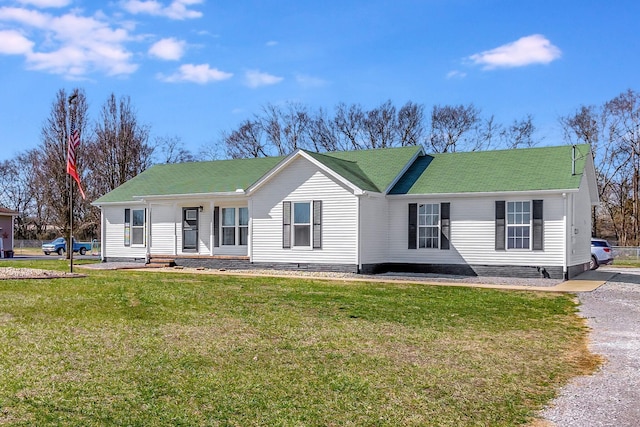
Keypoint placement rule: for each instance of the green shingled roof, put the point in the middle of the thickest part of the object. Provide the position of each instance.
(193, 178)
(369, 170)
(547, 168)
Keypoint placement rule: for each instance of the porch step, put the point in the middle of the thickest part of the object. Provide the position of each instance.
(161, 262)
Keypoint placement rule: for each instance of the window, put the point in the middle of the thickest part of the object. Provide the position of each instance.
(428, 225)
(518, 225)
(134, 227)
(235, 226)
(302, 224)
(228, 226)
(243, 226)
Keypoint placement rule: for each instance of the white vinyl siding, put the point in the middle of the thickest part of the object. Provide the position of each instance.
(472, 231)
(113, 239)
(374, 244)
(303, 182)
(163, 229)
(579, 230)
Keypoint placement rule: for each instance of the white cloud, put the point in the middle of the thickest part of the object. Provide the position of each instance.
(72, 45)
(14, 43)
(271, 43)
(254, 79)
(310, 81)
(200, 74)
(456, 74)
(45, 3)
(168, 49)
(177, 9)
(534, 49)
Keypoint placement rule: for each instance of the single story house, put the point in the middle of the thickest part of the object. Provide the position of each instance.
(6, 232)
(521, 212)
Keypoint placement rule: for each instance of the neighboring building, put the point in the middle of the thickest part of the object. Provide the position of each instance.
(519, 212)
(6, 231)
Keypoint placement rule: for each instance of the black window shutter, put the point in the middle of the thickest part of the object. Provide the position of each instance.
(538, 232)
(445, 225)
(500, 225)
(317, 224)
(216, 227)
(413, 225)
(286, 225)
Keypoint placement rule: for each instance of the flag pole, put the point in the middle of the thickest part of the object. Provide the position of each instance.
(70, 241)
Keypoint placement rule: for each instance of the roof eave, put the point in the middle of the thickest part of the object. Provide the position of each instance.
(239, 193)
(289, 159)
(483, 193)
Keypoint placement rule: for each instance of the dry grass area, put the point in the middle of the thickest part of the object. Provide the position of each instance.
(132, 348)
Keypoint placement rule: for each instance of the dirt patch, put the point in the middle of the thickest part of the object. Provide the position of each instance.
(12, 273)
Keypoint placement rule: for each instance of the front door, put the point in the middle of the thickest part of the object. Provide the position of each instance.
(190, 229)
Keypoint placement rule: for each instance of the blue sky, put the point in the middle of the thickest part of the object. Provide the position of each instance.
(194, 68)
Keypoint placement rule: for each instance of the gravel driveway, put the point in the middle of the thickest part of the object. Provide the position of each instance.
(611, 396)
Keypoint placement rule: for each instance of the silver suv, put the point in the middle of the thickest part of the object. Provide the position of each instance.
(601, 253)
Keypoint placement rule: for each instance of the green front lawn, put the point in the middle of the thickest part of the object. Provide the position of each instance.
(167, 349)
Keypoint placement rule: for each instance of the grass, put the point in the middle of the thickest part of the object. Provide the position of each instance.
(156, 349)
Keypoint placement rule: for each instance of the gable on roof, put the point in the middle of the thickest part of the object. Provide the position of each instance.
(366, 170)
(530, 169)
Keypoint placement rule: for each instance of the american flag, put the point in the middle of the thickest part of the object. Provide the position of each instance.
(74, 142)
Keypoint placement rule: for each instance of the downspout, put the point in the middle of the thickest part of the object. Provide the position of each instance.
(359, 237)
(175, 230)
(212, 231)
(565, 255)
(250, 236)
(103, 236)
(148, 222)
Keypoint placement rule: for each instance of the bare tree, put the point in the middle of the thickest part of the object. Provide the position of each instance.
(519, 134)
(171, 149)
(211, 151)
(348, 122)
(286, 128)
(380, 126)
(120, 149)
(246, 141)
(613, 130)
(450, 125)
(622, 124)
(17, 192)
(322, 132)
(49, 170)
(410, 124)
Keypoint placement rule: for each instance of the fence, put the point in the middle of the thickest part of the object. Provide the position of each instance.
(627, 253)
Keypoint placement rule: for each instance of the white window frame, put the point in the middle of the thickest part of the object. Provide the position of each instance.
(237, 227)
(519, 222)
(295, 225)
(243, 227)
(141, 227)
(427, 223)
